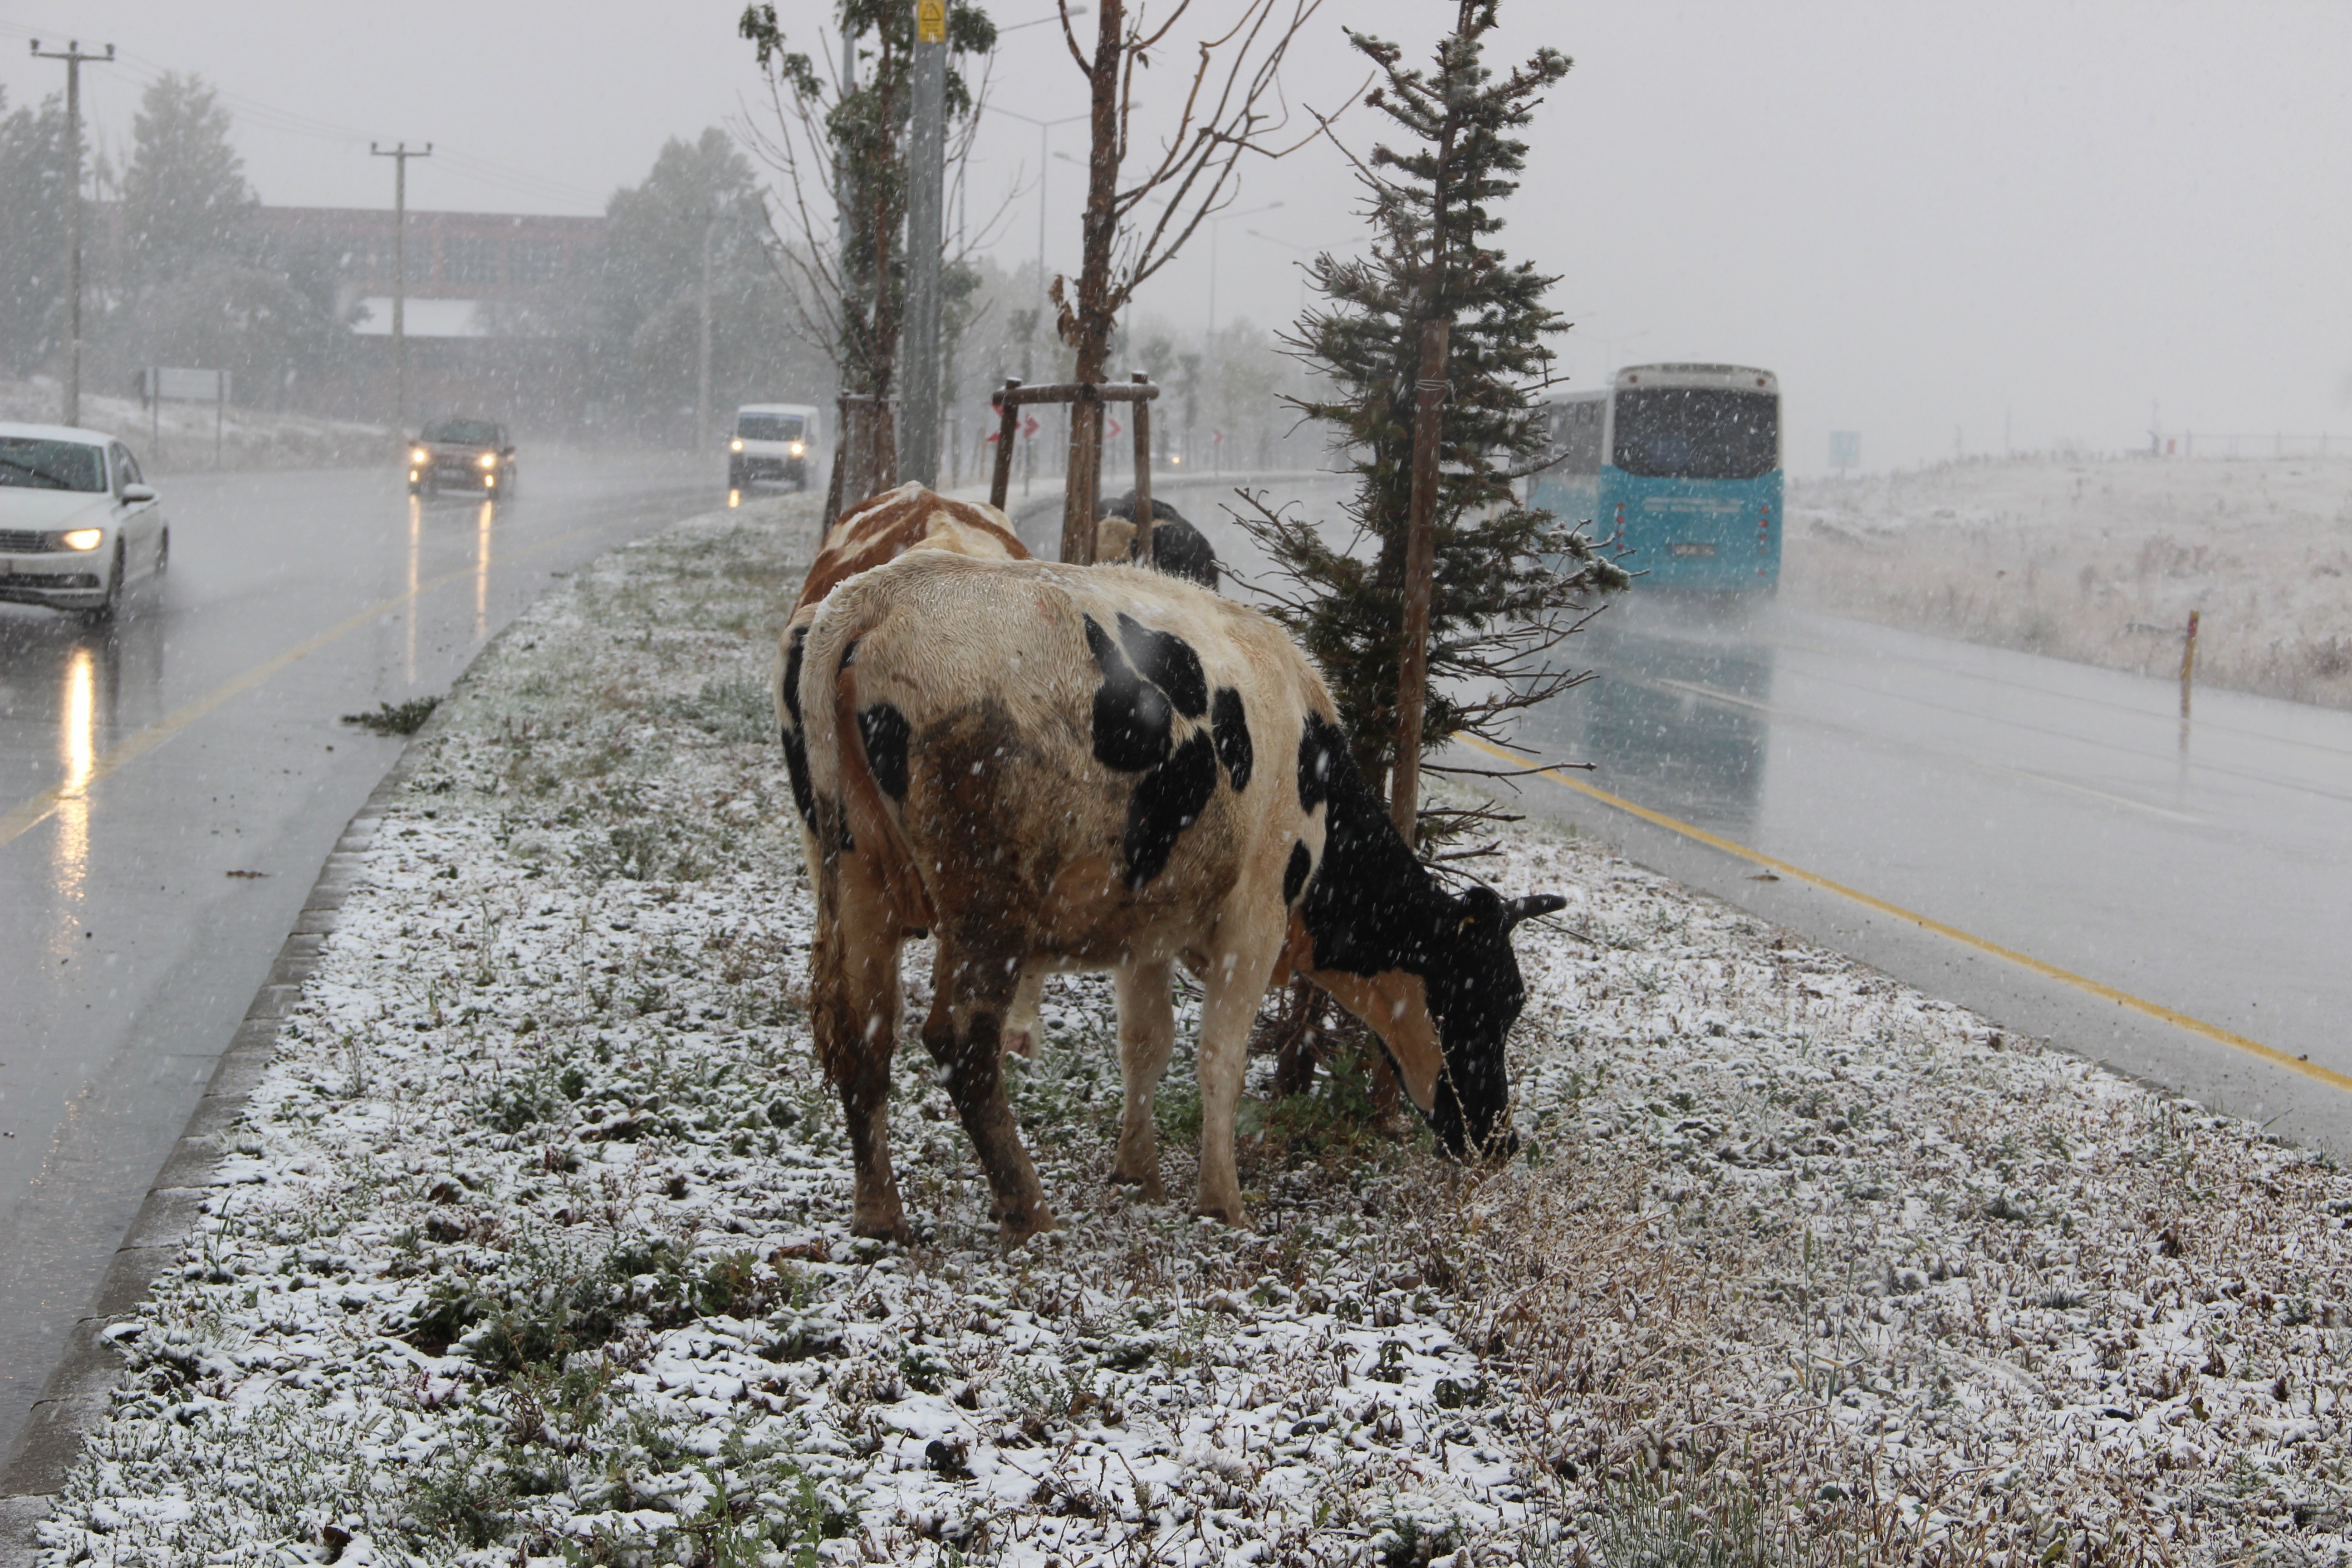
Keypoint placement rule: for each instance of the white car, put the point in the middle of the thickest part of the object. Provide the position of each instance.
(771, 441)
(77, 524)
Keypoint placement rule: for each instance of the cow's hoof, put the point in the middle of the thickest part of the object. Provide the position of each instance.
(1232, 1215)
(1146, 1187)
(1016, 1229)
(891, 1226)
(1021, 1043)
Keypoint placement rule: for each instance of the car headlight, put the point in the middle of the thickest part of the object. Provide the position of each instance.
(799, 448)
(420, 456)
(83, 537)
(735, 445)
(490, 459)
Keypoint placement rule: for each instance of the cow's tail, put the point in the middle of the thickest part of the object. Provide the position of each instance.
(850, 815)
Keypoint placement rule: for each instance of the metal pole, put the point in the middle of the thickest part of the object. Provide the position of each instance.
(702, 364)
(925, 236)
(73, 56)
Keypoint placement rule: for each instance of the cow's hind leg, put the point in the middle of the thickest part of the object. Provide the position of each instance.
(854, 1014)
(1232, 987)
(965, 1035)
(1147, 1035)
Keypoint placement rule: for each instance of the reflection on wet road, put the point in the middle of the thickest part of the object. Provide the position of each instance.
(169, 787)
(2058, 811)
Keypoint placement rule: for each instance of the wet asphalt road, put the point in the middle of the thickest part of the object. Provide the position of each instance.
(2064, 812)
(204, 777)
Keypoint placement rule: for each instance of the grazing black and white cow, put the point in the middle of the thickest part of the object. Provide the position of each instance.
(1104, 768)
(1178, 548)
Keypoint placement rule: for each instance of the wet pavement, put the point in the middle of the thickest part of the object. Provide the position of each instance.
(2064, 812)
(169, 787)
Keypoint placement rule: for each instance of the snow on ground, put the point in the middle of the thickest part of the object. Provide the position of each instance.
(534, 1247)
(247, 437)
(2100, 560)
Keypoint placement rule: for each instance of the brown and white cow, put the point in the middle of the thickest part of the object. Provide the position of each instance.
(889, 523)
(1104, 768)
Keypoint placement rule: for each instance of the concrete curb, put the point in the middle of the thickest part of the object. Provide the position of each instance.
(79, 1392)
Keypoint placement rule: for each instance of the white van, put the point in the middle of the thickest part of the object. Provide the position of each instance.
(772, 441)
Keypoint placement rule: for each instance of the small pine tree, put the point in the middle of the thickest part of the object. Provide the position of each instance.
(1509, 581)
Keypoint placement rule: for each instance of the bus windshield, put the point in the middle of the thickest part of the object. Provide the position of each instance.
(462, 432)
(1698, 433)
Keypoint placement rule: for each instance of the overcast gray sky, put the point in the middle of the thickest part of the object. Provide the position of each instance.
(1934, 220)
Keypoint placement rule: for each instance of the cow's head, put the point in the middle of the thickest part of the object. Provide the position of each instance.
(1474, 996)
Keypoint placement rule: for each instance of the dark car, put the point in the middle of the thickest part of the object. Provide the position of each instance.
(463, 454)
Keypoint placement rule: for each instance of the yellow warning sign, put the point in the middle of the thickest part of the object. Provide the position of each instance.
(931, 21)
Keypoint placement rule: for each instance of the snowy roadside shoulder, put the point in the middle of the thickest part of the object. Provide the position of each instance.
(534, 1243)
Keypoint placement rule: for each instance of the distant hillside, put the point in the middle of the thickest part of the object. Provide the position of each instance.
(250, 438)
(2099, 560)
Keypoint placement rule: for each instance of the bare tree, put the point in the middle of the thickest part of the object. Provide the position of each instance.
(1232, 107)
(838, 142)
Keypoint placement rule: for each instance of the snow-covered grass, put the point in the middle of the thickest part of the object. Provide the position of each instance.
(535, 1243)
(2100, 560)
(247, 437)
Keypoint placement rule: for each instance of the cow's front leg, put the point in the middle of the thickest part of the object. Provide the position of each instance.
(1147, 1035)
(965, 1035)
(854, 1014)
(1022, 1028)
(1232, 986)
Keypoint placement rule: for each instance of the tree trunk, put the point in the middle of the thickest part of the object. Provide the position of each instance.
(1096, 311)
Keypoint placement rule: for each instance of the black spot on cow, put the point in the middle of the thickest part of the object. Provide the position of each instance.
(1231, 724)
(1319, 745)
(1294, 876)
(1168, 662)
(796, 747)
(884, 731)
(1167, 800)
(1131, 716)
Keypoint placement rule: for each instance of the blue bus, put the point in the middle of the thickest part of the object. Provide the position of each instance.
(1678, 466)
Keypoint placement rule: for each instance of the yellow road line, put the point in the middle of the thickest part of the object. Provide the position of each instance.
(2007, 954)
(24, 818)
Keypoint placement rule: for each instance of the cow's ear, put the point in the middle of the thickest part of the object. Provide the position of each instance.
(1534, 904)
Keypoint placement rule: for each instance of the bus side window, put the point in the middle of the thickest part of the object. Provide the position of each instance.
(1578, 434)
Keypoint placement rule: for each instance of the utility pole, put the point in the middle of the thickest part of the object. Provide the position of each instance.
(73, 56)
(925, 215)
(399, 155)
(702, 365)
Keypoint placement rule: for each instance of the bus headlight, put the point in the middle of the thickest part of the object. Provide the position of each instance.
(735, 445)
(800, 449)
(489, 459)
(83, 537)
(420, 456)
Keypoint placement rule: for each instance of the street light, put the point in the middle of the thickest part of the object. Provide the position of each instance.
(1075, 12)
(1045, 128)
